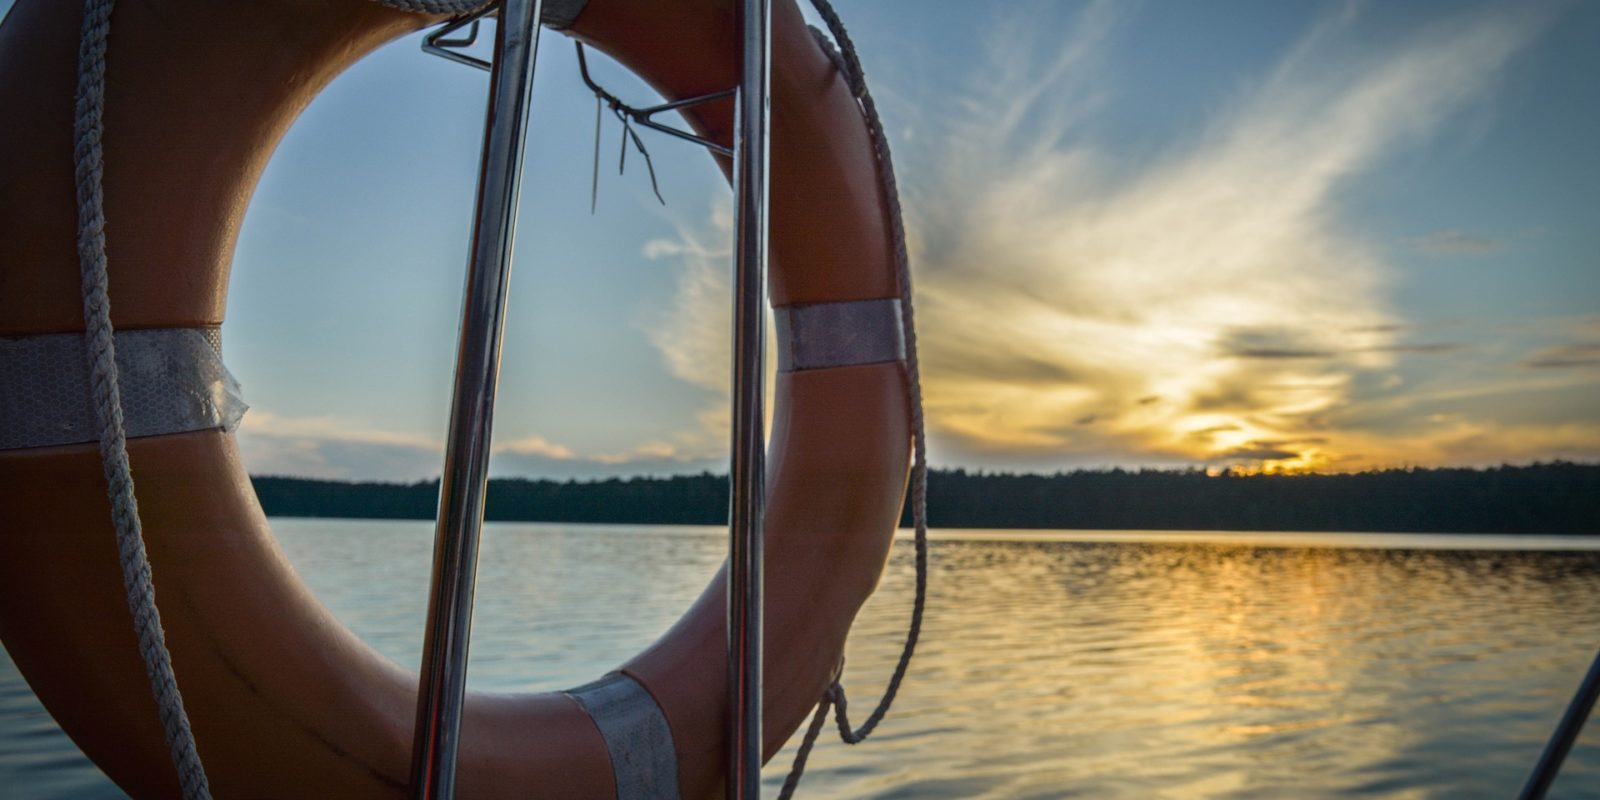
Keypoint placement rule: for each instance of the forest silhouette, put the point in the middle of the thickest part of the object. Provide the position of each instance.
(1551, 498)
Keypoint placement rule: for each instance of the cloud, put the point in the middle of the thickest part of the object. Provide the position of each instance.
(261, 422)
(1447, 243)
(1239, 454)
(649, 459)
(327, 447)
(1058, 284)
(1076, 309)
(1457, 440)
(536, 446)
(1278, 343)
(1567, 356)
(1423, 348)
(692, 331)
(1272, 353)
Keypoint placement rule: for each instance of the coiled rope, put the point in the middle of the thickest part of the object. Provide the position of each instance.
(849, 64)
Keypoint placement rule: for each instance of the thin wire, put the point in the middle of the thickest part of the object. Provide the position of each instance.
(594, 177)
(649, 164)
(622, 143)
(624, 114)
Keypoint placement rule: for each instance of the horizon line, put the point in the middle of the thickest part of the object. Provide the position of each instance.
(1208, 470)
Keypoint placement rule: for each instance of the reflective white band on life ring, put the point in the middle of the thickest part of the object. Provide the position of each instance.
(172, 381)
(643, 758)
(843, 334)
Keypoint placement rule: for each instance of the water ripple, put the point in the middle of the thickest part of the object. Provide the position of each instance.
(1088, 665)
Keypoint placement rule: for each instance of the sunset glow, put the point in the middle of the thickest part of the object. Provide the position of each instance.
(1337, 238)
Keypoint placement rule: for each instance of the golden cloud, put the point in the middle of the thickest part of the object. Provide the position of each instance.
(1204, 306)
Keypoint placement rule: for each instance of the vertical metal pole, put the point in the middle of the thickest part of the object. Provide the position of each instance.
(1566, 734)
(442, 687)
(748, 470)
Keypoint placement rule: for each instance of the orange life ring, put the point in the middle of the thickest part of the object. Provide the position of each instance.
(285, 701)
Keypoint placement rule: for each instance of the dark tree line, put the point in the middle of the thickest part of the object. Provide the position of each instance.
(680, 500)
(1543, 498)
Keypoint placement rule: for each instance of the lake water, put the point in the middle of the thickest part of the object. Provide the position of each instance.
(1053, 664)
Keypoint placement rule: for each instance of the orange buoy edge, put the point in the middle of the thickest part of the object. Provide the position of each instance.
(284, 700)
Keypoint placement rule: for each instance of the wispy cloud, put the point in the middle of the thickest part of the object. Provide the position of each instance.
(328, 447)
(692, 331)
(1567, 356)
(1218, 278)
(536, 446)
(1424, 348)
(1204, 305)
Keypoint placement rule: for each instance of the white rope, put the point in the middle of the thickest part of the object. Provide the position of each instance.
(88, 126)
(89, 171)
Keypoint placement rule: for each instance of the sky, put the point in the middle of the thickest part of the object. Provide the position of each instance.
(1261, 235)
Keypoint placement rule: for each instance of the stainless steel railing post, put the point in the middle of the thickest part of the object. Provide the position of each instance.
(747, 471)
(1566, 734)
(442, 688)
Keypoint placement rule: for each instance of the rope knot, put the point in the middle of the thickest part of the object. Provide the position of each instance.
(625, 114)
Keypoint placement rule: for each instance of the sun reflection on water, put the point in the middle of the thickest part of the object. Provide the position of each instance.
(1155, 665)
(1193, 670)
